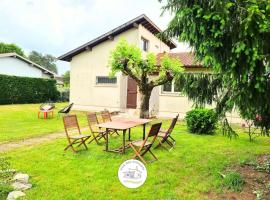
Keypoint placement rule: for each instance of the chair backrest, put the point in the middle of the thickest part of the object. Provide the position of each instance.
(66, 109)
(153, 132)
(71, 125)
(92, 120)
(173, 123)
(106, 116)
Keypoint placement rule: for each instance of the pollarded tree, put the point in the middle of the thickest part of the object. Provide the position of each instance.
(128, 59)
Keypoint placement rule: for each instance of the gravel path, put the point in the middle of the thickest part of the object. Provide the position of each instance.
(8, 146)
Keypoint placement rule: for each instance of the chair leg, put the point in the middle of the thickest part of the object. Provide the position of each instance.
(172, 139)
(83, 142)
(71, 146)
(137, 154)
(94, 138)
(169, 143)
(152, 154)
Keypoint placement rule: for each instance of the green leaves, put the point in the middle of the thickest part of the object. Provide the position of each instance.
(232, 38)
(46, 60)
(11, 48)
(127, 58)
(15, 90)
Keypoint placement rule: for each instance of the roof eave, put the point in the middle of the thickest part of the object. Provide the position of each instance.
(140, 20)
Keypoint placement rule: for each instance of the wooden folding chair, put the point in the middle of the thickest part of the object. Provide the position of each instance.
(97, 133)
(165, 135)
(73, 133)
(106, 117)
(141, 147)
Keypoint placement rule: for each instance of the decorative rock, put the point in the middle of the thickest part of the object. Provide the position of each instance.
(21, 186)
(15, 195)
(23, 178)
(7, 171)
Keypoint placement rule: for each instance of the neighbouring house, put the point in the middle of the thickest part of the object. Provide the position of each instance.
(15, 65)
(92, 89)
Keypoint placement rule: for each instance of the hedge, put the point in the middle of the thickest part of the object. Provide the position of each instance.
(16, 90)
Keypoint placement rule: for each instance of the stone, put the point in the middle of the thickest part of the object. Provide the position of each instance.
(23, 178)
(15, 195)
(8, 171)
(21, 186)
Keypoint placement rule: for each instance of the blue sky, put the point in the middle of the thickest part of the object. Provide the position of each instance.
(57, 26)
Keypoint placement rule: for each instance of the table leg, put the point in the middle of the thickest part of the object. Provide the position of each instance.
(124, 141)
(129, 135)
(107, 139)
(144, 131)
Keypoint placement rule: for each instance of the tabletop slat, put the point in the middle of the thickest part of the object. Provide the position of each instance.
(123, 124)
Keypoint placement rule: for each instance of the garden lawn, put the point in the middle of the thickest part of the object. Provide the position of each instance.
(189, 171)
(21, 121)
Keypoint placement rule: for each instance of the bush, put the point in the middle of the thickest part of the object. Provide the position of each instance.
(201, 121)
(64, 95)
(234, 181)
(15, 90)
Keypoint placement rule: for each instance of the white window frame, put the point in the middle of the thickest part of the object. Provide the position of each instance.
(105, 84)
(172, 90)
(143, 40)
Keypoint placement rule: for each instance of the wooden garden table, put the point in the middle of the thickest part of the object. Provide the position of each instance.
(123, 125)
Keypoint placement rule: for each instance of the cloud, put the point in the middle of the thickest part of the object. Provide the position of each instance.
(57, 26)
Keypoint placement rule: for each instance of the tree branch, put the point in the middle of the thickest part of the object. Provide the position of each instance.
(162, 80)
(128, 71)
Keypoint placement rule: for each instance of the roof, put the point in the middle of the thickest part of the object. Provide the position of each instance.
(186, 58)
(14, 55)
(142, 19)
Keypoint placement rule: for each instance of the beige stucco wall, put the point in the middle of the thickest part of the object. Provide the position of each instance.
(155, 45)
(86, 66)
(170, 104)
(89, 64)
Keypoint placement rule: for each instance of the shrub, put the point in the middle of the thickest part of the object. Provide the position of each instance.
(234, 181)
(5, 178)
(15, 90)
(64, 95)
(201, 121)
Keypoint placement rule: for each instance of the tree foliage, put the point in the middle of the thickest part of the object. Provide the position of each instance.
(66, 77)
(11, 48)
(128, 59)
(46, 60)
(232, 38)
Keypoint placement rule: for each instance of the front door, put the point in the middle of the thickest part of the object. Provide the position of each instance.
(131, 93)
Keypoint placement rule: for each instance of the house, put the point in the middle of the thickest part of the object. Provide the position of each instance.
(15, 65)
(92, 89)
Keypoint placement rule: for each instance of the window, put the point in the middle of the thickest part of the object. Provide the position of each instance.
(167, 87)
(106, 80)
(144, 44)
(171, 87)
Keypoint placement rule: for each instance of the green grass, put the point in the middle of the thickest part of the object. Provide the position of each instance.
(21, 121)
(234, 181)
(189, 171)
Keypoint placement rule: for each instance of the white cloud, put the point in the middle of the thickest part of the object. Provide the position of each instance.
(57, 26)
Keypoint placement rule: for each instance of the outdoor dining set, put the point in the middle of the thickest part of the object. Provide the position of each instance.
(105, 127)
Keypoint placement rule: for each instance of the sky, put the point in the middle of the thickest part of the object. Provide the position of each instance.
(58, 26)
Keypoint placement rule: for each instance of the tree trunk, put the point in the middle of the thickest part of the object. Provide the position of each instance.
(144, 109)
